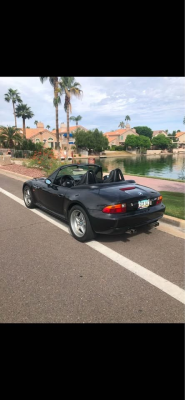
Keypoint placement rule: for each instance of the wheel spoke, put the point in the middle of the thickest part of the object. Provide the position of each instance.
(78, 223)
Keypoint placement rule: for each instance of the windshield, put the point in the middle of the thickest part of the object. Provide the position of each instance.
(77, 171)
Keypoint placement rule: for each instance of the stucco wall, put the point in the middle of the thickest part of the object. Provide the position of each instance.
(182, 138)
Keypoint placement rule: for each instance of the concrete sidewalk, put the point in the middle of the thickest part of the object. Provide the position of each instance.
(159, 184)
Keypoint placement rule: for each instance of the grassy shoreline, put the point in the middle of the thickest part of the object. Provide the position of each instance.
(156, 177)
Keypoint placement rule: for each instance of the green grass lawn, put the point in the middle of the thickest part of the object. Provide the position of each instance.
(175, 204)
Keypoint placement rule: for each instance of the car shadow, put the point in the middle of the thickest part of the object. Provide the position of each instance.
(124, 237)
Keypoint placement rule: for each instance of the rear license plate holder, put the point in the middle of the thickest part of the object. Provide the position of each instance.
(143, 204)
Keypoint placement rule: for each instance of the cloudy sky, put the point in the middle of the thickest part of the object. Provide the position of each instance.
(158, 103)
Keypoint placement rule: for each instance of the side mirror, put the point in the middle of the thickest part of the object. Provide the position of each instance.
(48, 181)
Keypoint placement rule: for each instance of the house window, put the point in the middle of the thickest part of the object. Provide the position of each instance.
(50, 138)
(37, 140)
(121, 137)
(56, 145)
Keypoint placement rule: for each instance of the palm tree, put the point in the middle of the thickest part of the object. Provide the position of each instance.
(13, 96)
(48, 126)
(24, 112)
(35, 123)
(10, 135)
(56, 101)
(76, 119)
(127, 118)
(184, 120)
(69, 87)
(121, 125)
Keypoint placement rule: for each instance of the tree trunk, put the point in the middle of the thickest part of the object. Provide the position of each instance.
(24, 130)
(67, 150)
(56, 114)
(14, 115)
(76, 122)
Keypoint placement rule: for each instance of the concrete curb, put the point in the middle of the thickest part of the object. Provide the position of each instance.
(15, 175)
(166, 218)
(174, 221)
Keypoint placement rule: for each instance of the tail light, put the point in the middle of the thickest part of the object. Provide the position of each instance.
(116, 209)
(159, 200)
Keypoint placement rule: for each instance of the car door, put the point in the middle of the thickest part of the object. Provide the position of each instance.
(52, 197)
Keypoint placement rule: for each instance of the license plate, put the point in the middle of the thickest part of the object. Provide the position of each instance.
(143, 203)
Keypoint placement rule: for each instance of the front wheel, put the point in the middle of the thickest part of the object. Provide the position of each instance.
(28, 197)
(80, 225)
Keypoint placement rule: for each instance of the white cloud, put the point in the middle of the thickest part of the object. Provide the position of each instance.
(155, 102)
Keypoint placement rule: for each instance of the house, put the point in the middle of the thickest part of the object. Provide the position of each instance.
(155, 133)
(181, 139)
(119, 136)
(48, 138)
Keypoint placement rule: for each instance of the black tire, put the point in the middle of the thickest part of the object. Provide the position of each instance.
(29, 203)
(78, 213)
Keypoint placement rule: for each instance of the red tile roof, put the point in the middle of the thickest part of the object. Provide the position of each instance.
(32, 132)
(118, 132)
(71, 128)
(179, 134)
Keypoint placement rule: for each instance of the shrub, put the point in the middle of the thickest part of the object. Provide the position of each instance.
(18, 154)
(45, 160)
(120, 148)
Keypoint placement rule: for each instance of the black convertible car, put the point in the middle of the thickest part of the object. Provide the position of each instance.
(91, 203)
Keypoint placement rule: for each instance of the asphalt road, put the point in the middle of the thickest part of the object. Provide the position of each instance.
(47, 276)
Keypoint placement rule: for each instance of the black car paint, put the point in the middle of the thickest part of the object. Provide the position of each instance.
(93, 198)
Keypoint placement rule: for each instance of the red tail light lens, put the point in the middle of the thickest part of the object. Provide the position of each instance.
(159, 200)
(116, 209)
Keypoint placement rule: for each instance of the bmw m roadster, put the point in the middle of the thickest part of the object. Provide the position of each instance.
(92, 203)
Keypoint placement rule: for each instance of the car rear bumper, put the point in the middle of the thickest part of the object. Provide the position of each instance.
(108, 224)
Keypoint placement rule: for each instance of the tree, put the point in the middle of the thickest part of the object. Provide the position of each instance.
(121, 125)
(14, 97)
(35, 123)
(92, 139)
(178, 130)
(174, 138)
(132, 141)
(28, 127)
(76, 119)
(69, 87)
(10, 135)
(56, 101)
(166, 131)
(161, 141)
(24, 112)
(127, 118)
(143, 142)
(48, 126)
(144, 131)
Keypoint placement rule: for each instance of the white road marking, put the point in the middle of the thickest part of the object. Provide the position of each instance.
(163, 284)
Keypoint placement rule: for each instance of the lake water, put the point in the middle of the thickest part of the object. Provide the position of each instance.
(163, 166)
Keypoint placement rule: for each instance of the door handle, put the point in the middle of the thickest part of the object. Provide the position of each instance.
(60, 195)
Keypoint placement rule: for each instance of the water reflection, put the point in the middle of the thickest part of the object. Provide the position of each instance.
(163, 166)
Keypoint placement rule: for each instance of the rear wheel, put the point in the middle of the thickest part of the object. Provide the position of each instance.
(80, 225)
(28, 197)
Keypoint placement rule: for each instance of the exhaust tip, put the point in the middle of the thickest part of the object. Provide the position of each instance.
(156, 224)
